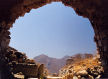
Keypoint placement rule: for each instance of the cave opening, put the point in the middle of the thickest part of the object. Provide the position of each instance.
(54, 30)
(94, 10)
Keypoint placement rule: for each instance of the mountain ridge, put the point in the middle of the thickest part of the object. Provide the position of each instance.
(52, 64)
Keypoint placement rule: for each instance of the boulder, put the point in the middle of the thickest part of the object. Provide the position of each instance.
(82, 73)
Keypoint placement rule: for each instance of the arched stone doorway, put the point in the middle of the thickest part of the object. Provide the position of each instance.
(94, 10)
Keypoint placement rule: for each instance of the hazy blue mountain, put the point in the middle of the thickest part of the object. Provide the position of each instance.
(52, 64)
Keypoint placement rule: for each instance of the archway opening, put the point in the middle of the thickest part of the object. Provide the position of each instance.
(54, 30)
(51, 17)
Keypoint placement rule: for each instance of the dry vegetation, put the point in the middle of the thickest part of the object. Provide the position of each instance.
(87, 68)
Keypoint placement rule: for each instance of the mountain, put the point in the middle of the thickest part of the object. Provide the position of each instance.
(52, 64)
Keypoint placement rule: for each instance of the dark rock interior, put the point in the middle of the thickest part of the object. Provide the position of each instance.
(95, 10)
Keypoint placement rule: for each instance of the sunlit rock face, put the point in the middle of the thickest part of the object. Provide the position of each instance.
(86, 68)
(95, 10)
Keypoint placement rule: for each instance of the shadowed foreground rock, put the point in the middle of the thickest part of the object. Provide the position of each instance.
(18, 65)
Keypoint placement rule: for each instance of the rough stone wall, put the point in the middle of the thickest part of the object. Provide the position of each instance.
(95, 10)
(99, 22)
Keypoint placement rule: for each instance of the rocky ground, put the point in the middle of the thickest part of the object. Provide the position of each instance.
(20, 67)
(85, 69)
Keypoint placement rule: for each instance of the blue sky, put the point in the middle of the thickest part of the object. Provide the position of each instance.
(54, 30)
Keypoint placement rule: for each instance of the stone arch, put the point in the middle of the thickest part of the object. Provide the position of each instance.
(94, 10)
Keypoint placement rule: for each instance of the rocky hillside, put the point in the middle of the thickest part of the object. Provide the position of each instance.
(78, 57)
(53, 64)
(89, 68)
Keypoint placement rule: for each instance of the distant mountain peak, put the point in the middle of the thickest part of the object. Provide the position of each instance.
(52, 64)
(43, 55)
(66, 56)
